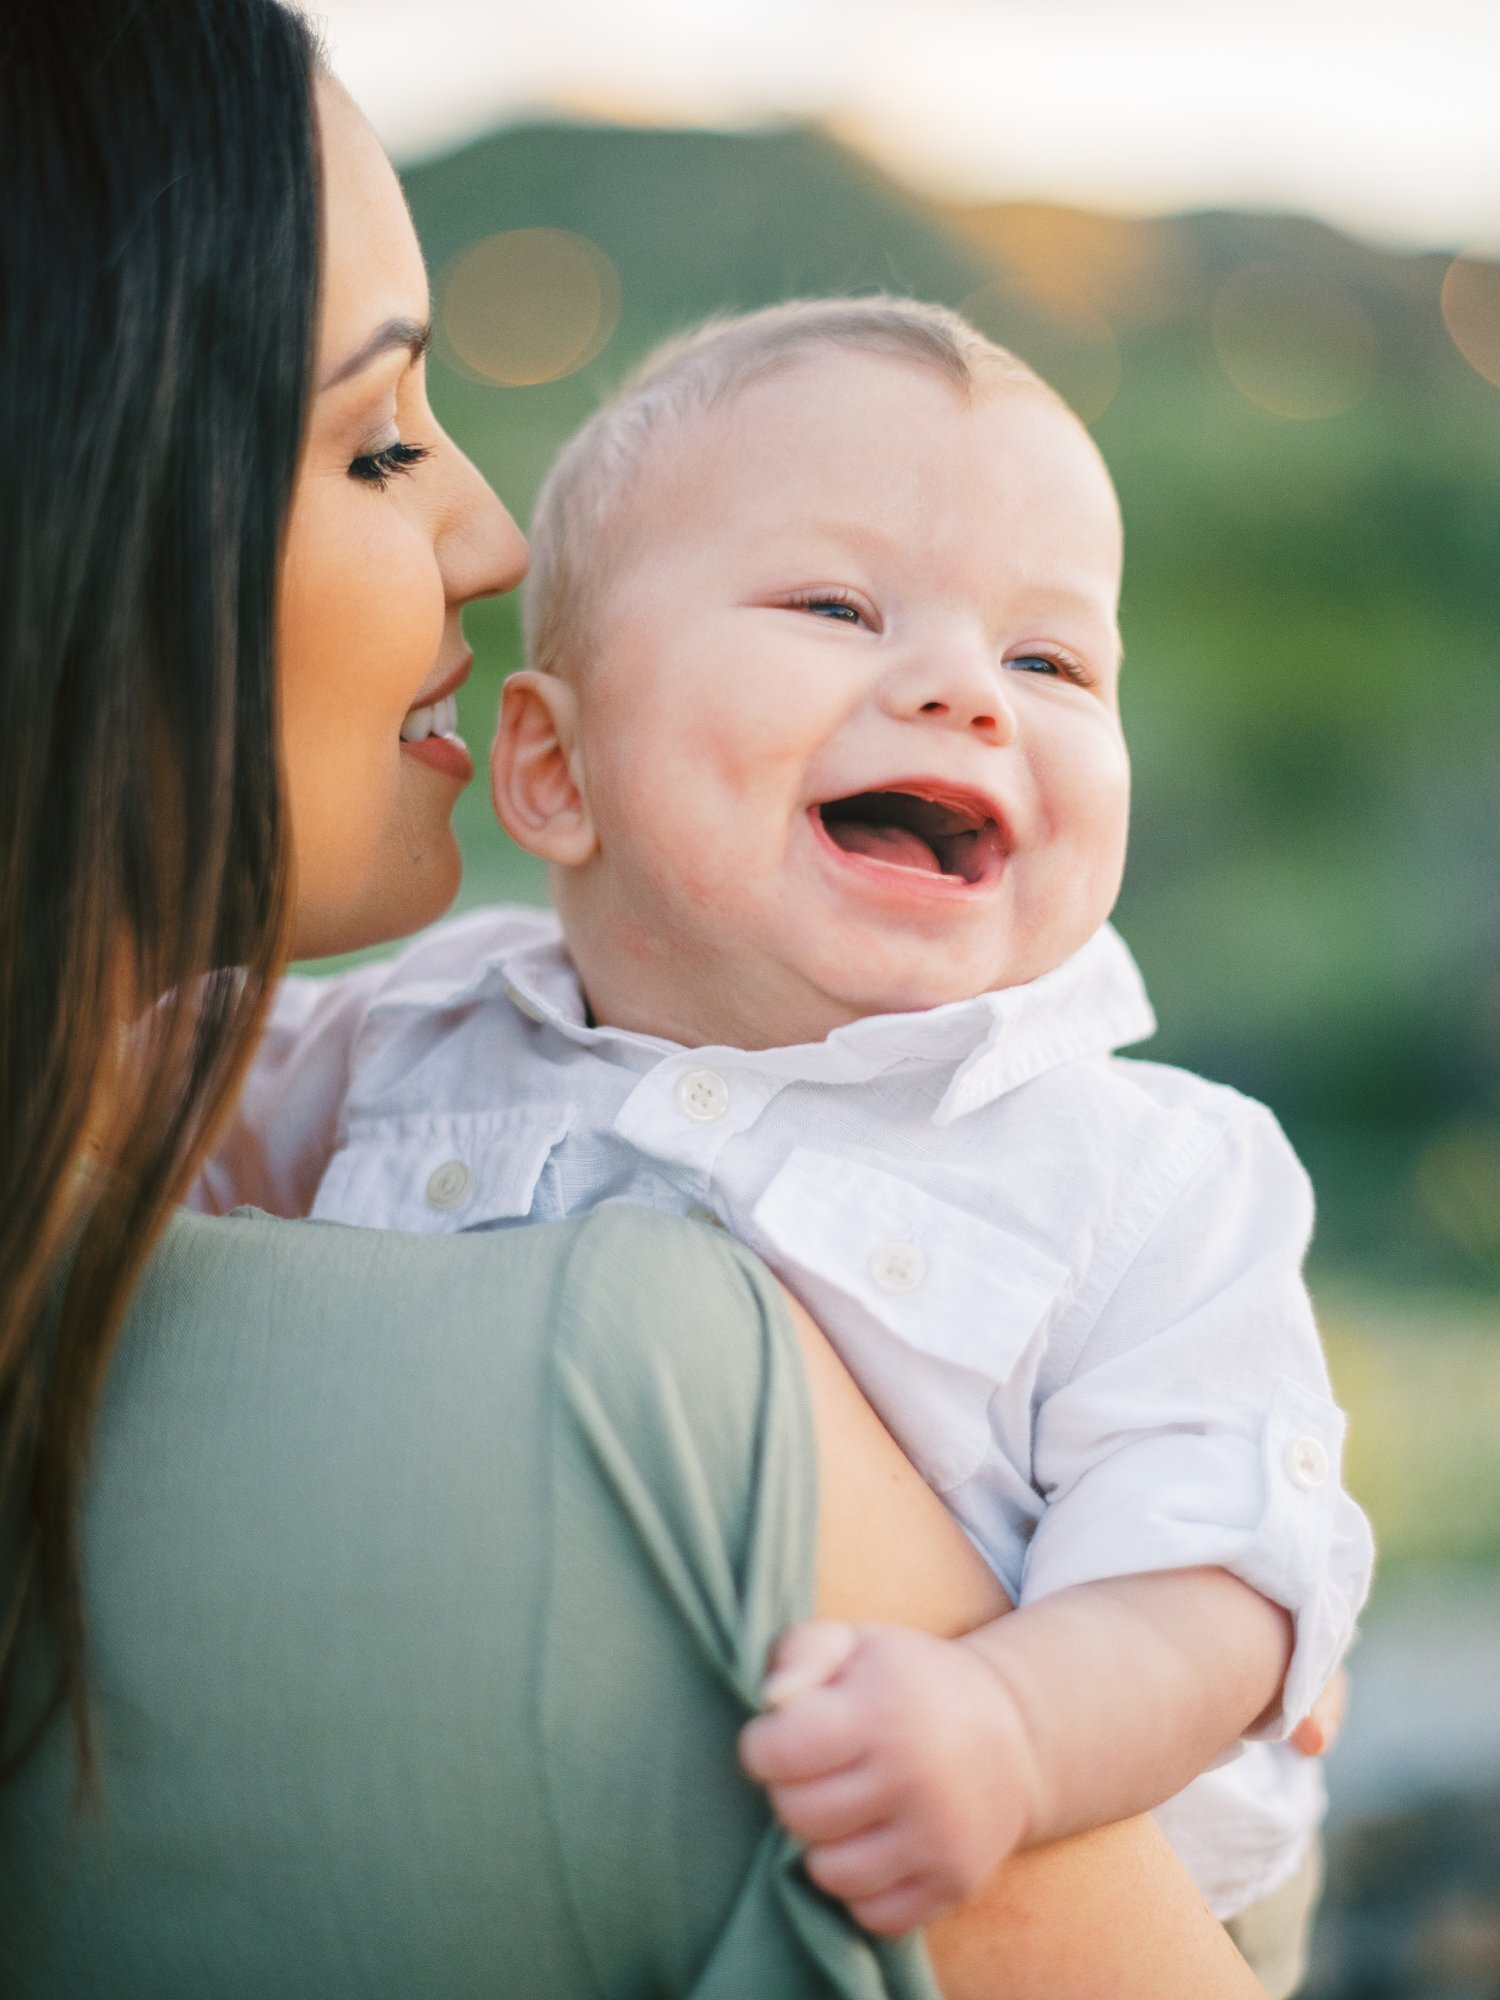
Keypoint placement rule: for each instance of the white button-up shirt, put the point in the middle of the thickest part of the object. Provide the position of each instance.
(1070, 1284)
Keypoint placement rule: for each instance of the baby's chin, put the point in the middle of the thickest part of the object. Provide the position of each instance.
(787, 1010)
(767, 982)
(853, 964)
(848, 991)
(850, 997)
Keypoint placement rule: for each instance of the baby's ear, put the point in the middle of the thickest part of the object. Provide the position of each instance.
(535, 776)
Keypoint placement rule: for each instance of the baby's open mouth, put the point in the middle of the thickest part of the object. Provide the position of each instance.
(908, 831)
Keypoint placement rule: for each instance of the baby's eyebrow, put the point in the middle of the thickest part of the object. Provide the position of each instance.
(1049, 600)
(860, 537)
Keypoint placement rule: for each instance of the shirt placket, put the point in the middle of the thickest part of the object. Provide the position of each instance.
(685, 1111)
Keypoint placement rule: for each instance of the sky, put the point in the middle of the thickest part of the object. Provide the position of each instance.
(1381, 116)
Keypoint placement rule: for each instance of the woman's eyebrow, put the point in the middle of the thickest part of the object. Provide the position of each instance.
(411, 334)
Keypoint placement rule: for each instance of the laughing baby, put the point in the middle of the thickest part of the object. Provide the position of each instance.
(820, 737)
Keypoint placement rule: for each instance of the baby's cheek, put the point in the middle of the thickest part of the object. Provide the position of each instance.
(1111, 799)
(1092, 849)
(1087, 781)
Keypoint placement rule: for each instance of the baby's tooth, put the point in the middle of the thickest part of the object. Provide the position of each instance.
(445, 717)
(418, 724)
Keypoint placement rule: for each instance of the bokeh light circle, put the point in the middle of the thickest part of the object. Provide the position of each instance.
(1060, 334)
(1293, 341)
(529, 306)
(1471, 309)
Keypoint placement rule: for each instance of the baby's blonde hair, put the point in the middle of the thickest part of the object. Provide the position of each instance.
(683, 378)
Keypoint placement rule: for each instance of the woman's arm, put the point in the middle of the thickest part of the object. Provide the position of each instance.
(888, 1549)
(1109, 1915)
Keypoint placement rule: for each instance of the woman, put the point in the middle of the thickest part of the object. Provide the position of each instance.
(400, 1640)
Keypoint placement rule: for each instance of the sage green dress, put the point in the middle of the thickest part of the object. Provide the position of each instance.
(429, 1582)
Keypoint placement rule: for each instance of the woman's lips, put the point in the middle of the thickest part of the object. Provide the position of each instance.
(429, 730)
(446, 754)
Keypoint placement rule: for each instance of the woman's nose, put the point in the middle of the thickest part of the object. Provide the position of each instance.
(957, 688)
(482, 551)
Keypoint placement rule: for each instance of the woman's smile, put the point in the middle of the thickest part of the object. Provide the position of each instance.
(429, 729)
(440, 747)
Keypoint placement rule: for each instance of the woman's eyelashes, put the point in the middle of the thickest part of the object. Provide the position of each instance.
(378, 468)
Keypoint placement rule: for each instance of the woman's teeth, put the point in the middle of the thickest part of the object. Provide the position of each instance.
(439, 718)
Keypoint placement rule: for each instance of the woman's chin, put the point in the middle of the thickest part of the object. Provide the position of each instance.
(410, 889)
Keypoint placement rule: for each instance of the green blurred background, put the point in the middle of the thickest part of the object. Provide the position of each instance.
(1310, 474)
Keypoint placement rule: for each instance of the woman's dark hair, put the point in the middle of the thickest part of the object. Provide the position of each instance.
(158, 291)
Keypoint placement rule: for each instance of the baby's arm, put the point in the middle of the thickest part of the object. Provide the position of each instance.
(1189, 1464)
(913, 1766)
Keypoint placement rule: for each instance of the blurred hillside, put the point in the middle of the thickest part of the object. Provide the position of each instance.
(1310, 474)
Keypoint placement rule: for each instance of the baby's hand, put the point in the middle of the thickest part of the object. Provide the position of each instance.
(899, 1759)
(1318, 1731)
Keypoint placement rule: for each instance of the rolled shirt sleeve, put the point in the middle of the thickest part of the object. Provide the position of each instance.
(1197, 1426)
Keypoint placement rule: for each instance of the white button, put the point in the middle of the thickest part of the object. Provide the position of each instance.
(528, 1007)
(702, 1095)
(1306, 1463)
(898, 1267)
(448, 1184)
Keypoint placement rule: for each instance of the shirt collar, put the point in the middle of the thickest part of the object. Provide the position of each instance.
(1090, 1005)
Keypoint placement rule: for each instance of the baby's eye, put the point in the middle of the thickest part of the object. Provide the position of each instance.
(832, 605)
(1058, 666)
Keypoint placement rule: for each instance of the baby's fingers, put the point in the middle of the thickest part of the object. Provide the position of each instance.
(806, 1657)
(814, 1736)
(868, 1866)
(1317, 1732)
(899, 1910)
(828, 1809)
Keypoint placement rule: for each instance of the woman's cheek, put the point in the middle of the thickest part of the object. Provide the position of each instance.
(361, 622)
(384, 614)
(391, 632)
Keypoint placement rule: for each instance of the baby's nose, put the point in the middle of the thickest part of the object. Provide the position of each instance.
(962, 691)
(982, 716)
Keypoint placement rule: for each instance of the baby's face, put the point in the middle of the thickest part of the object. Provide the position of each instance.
(849, 735)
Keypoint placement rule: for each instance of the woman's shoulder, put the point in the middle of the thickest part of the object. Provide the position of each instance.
(390, 1393)
(248, 1254)
(285, 1310)
(363, 1509)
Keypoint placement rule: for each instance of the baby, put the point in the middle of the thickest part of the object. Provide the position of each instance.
(820, 736)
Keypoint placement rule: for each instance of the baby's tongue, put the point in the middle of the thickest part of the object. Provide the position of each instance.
(896, 844)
